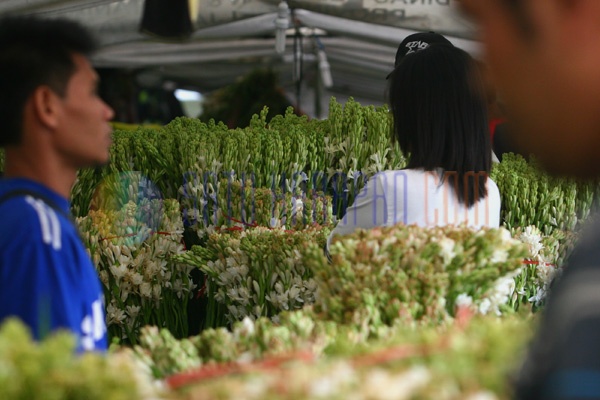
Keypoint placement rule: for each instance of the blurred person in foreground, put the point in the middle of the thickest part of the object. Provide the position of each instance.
(545, 59)
(436, 97)
(54, 123)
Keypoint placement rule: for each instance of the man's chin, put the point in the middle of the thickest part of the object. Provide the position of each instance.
(580, 168)
(100, 163)
(558, 157)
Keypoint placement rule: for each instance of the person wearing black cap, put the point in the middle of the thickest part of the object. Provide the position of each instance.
(415, 42)
(440, 122)
(419, 41)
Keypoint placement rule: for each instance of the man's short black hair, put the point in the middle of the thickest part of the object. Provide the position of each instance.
(35, 52)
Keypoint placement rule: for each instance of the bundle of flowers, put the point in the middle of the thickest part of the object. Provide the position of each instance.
(544, 263)
(358, 145)
(285, 145)
(532, 197)
(211, 204)
(247, 341)
(50, 369)
(186, 144)
(301, 358)
(411, 273)
(255, 272)
(134, 154)
(134, 248)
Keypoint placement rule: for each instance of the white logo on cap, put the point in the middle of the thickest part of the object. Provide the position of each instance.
(415, 46)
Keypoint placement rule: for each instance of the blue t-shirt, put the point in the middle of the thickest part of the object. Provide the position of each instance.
(46, 276)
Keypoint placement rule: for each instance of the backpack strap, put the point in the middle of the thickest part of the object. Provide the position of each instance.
(49, 202)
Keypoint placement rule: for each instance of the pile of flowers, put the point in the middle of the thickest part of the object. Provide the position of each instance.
(303, 357)
(335, 156)
(412, 273)
(377, 276)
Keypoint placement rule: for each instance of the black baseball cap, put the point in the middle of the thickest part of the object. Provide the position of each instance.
(415, 42)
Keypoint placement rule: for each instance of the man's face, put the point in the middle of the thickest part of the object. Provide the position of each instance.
(549, 81)
(83, 137)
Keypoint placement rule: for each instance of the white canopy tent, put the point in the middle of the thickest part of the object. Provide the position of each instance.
(233, 37)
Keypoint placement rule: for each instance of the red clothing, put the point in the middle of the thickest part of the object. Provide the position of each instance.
(493, 124)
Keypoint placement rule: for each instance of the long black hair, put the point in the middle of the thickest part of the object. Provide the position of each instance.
(438, 104)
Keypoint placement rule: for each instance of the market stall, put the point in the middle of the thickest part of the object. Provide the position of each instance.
(209, 240)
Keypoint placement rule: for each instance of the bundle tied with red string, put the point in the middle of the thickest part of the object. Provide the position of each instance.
(256, 272)
(213, 204)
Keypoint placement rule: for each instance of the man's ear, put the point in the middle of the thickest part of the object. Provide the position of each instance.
(46, 106)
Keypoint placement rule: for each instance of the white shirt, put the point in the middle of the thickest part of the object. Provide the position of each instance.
(415, 196)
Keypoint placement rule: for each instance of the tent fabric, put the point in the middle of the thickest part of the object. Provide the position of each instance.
(233, 37)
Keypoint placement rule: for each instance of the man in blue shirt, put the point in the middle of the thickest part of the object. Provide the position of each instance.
(53, 123)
